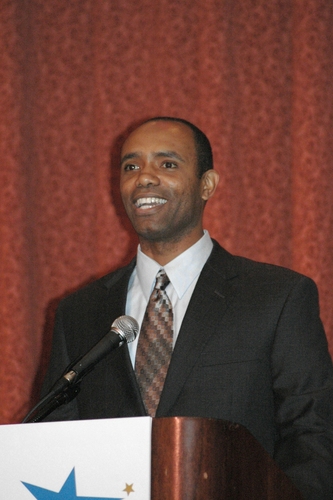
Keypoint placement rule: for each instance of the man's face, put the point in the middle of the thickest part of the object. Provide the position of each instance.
(159, 185)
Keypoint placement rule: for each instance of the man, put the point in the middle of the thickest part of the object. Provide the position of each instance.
(248, 344)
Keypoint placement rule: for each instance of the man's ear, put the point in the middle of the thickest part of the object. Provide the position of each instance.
(209, 182)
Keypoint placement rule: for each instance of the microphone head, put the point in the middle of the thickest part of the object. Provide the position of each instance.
(127, 327)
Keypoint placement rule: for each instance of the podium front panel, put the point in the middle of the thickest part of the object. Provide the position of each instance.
(109, 459)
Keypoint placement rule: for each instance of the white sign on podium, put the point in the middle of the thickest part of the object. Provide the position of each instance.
(89, 459)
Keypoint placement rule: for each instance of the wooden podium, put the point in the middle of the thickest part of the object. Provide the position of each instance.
(138, 458)
(208, 459)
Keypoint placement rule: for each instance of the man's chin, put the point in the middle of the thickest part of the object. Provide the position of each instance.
(164, 236)
(152, 235)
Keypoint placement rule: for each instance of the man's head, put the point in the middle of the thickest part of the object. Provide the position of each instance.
(163, 194)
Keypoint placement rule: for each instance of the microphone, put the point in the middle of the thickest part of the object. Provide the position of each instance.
(123, 329)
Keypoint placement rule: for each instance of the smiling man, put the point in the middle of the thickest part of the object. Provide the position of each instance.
(162, 188)
(221, 336)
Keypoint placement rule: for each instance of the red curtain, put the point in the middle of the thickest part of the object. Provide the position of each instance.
(256, 76)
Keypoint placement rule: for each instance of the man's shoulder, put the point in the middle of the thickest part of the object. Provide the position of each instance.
(244, 268)
(98, 289)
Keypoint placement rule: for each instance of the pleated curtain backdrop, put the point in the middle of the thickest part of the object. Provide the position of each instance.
(256, 76)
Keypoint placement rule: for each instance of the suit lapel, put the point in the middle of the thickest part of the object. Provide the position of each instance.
(132, 403)
(207, 305)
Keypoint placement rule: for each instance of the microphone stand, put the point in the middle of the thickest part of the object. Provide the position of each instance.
(52, 401)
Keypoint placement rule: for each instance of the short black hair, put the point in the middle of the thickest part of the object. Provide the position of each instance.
(201, 141)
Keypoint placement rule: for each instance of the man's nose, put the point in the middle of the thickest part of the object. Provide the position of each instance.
(147, 177)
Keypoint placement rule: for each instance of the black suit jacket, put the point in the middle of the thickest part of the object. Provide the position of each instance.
(251, 349)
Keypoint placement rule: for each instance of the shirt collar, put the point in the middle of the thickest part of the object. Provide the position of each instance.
(181, 271)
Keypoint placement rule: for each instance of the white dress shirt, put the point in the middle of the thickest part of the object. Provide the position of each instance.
(183, 273)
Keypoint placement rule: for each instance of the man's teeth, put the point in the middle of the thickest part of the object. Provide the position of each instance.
(149, 202)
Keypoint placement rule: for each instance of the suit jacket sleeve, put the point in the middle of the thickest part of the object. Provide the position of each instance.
(303, 389)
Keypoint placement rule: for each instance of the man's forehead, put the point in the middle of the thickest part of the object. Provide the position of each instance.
(161, 130)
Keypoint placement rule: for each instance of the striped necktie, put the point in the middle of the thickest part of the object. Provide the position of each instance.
(155, 344)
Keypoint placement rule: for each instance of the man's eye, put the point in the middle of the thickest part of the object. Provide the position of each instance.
(169, 164)
(130, 166)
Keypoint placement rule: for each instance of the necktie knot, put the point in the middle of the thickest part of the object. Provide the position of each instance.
(162, 280)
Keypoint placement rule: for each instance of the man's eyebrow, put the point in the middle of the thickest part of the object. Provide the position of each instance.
(159, 154)
(169, 154)
(129, 156)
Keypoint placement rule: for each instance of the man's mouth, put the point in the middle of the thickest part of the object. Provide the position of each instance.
(149, 202)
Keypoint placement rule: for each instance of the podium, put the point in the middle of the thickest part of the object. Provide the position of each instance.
(138, 458)
(209, 459)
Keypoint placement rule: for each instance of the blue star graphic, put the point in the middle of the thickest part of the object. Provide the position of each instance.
(67, 492)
